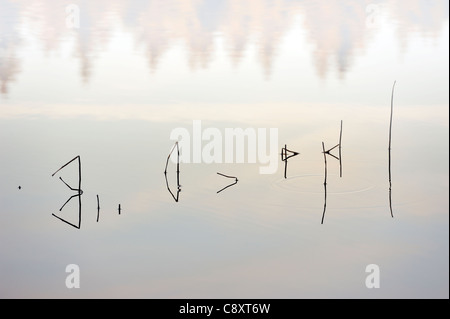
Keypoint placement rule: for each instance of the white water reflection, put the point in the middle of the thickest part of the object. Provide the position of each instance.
(9, 43)
(158, 26)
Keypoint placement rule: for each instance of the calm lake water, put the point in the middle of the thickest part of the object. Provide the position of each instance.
(110, 81)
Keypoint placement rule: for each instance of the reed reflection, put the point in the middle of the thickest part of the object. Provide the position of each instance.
(324, 182)
(78, 190)
(230, 185)
(285, 156)
(177, 196)
(339, 158)
(389, 150)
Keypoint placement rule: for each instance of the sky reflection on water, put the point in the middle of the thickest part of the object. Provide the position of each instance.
(156, 27)
(113, 90)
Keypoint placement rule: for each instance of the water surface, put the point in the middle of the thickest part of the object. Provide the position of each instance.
(113, 90)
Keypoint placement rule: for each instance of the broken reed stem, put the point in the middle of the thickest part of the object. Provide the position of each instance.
(389, 150)
(328, 152)
(232, 184)
(98, 208)
(72, 189)
(227, 176)
(67, 164)
(80, 192)
(170, 191)
(178, 172)
(178, 162)
(170, 154)
(285, 157)
(228, 186)
(65, 221)
(325, 204)
(340, 150)
(325, 182)
(325, 160)
(178, 166)
(285, 161)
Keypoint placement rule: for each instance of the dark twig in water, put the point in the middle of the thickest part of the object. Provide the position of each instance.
(65, 221)
(339, 158)
(175, 197)
(390, 143)
(75, 158)
(98, 208)
(340, 151)
(285, 157)
(80, 192)
(68, 201)
(227, 176)
(232, 184)
(339, 146)
(72, 189)
(170, 154)
(324, 182)
(328, 153)
(219, 191)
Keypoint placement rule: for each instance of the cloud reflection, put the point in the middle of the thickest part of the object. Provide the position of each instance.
(9, 43)
(422, 16)
(343, 34)
(336, 29)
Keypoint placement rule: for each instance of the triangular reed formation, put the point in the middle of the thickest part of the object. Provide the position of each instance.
(78, 190)
(285, 156)
(232, 184)
(339, 146)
